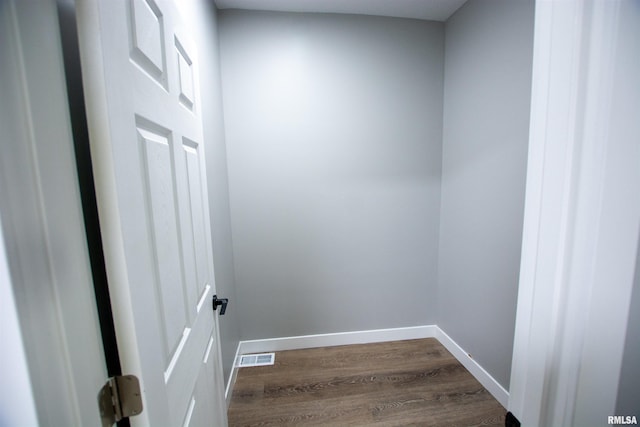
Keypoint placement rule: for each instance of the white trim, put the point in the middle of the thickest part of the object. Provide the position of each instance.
(574, 294)
(43, 228)
(339, 338)
(232, 378)
(17, 403)
(555, 77)
(367, 337)
(479, 373)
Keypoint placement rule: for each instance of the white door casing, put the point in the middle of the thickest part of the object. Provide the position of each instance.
(141, 87)
(53, 380)
(582, 214)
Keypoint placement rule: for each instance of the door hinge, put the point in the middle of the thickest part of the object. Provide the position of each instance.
(119, 398)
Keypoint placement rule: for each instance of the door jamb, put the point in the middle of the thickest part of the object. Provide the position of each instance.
(576, 172)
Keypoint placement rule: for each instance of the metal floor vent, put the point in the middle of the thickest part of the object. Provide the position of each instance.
(263, 359)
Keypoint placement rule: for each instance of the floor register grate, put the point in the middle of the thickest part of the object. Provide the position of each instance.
(263, 359)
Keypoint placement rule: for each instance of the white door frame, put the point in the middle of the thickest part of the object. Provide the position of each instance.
(581, 220)
(17, 405)
(43, 228)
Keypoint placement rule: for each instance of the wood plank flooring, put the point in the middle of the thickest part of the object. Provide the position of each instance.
(400, 383)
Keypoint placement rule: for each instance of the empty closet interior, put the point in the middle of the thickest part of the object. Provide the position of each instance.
(376, 173)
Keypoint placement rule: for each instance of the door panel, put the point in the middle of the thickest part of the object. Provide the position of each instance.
(162, 209)
(193, 162)
(146, 33)
(185, 64)
(146, 135)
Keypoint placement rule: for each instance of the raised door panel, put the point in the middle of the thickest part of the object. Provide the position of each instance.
(186, 79)
(170, 288)
(193, 162)
(147, 38)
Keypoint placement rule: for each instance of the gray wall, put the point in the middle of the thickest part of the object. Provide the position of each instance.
(202, 16)
(486, 114)
(334, 146)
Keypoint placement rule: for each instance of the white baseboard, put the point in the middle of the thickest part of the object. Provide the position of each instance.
(487, 381)
(367, 337)
(340, 338)
(232, 378)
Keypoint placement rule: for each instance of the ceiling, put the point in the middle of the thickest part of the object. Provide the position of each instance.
(435, 10)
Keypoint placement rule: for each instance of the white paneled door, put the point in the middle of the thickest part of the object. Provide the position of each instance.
(143, 107)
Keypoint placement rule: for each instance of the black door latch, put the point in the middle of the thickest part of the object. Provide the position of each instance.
(220, 301)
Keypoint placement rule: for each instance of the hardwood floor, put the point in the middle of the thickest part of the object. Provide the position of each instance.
(415, 382)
